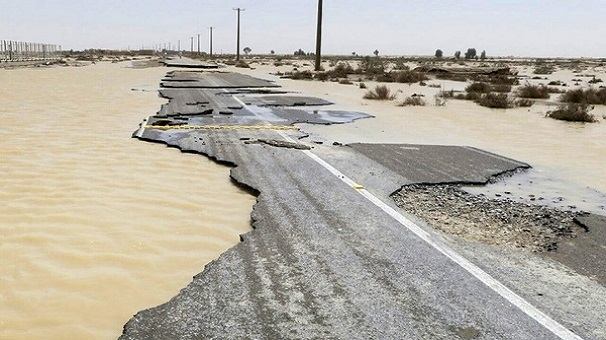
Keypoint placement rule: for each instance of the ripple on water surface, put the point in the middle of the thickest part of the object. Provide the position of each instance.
(94, 225)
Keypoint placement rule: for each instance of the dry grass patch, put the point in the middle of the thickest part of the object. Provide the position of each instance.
(413, 101)
(381, 92)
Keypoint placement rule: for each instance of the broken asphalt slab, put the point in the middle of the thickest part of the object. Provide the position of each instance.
(323, 261)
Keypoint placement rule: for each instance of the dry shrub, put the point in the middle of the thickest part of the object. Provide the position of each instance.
(342, 70)
(524, 102)
(362, 85)
(572, 112)
(321, 76)
(302, 75)
(478, 88)
(496, 101)
(446, 94)
(384, 78)
(585, 96)
(451, 76)
(345, 82)
(503, 80)
(413, 101)
(381, 92)
(503, 88)
(242, 64)
(409, 77)
(554, 90)
(533, 91)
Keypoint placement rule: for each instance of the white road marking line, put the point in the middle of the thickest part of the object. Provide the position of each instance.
(476, 271)
(525, 306)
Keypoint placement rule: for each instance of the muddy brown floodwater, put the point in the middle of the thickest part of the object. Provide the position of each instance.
(95, 225)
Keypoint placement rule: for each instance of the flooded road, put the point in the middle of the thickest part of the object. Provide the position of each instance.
(95, 225)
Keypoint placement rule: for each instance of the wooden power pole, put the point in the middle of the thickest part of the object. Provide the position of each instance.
(238, 40)
(319, 38)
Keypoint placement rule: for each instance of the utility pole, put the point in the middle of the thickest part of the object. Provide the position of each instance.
(238, 41)
(211, 40)
(192, 45)
(319, 38)
(198, 43)
(179, 45)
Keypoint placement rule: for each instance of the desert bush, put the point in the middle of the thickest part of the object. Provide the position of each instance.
(362, 85)
(524, 102)
(496, 101)
(478, 88)
(554, 90)
(321, 76)
(400, 66)
(345, 82)
(302, 75)
(242, 64)
(503, 88)
(371, 67)
(533, 91)
(413, 101)
(595, 80)
(572, 112)
(451, 76)
(342, 70)
(585, 96)
(555, 83)
(543, 69)
(503, 80)
(409, 77)
(468, 96)
(446, 94)
(381, 92)
(384, 78)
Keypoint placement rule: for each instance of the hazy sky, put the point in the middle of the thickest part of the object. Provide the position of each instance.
(565, 28)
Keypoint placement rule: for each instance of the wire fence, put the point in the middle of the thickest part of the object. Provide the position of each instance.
(26, 51)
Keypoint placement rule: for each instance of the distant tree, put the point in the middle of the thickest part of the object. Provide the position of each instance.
(272, 52)
(247, 50)
(300, 52)
(471, 53)
(376, 53)
(439, 53)
(483, 55)
(458, 54)
(353, 53)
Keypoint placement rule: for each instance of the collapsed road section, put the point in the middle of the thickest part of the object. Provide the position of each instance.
(329, 255)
